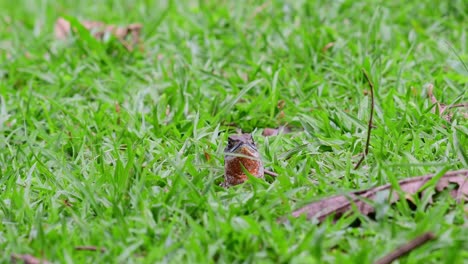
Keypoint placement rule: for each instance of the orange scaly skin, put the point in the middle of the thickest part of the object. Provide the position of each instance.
(237, 153)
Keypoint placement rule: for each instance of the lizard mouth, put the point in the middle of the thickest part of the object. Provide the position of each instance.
(244, 148)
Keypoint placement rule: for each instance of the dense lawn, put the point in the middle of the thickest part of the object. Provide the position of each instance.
(102, 147)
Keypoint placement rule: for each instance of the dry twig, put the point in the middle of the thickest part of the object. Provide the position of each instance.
(27, 259)
(90, 248)
(369, 125)
(405, 249)
(273, 174)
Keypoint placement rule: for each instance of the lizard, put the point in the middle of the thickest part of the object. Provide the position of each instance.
(241, 153)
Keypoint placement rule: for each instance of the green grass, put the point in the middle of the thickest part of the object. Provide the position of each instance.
(106, 148)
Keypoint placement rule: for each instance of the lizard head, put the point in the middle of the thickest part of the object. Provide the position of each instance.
(241, 144)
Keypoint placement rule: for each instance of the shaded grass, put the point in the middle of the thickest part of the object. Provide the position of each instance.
(101, 147)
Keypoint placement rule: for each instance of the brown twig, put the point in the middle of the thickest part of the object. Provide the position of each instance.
(27, 259)
(458, 105)
(369, 125)
(273, 174)
(90, 248)
(405, 249)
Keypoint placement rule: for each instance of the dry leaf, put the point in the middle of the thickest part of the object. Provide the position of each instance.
(281, 104)
(441, 108)
(267, 132)
(281, 115)
(61, 29)
(340, 204)
(27, 259)
(259, 9)
(99, 30)
(207, 155)
(328, 46)
(117, 110)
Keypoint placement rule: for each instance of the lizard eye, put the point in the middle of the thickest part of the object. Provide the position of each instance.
(230, 142)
